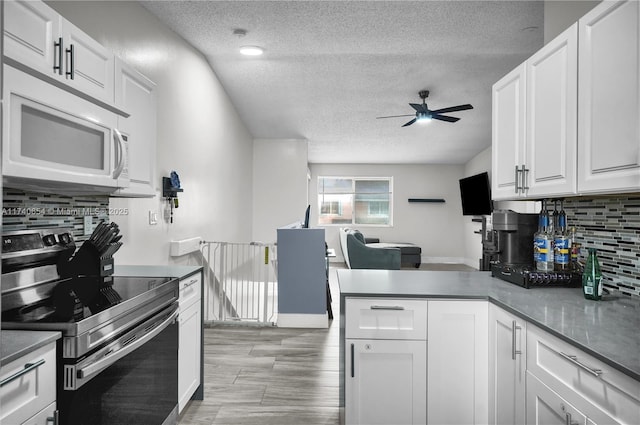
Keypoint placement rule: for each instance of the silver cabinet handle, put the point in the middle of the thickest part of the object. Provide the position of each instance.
(70, 72)
(55, 419)
(517, 185)
(574, 360)
(27, 368)
(568, 421)
(525, 178)
(514, 327)
(191, 282)
(353, 361)
(387, 307)
(57, 47)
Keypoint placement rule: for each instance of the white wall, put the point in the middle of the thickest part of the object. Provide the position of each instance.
(437, 228)
(560, 15)
(199, 134)
(279, 185)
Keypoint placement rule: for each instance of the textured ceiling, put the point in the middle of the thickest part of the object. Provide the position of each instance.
(331, 67)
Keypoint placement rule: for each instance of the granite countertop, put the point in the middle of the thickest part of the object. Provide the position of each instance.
(156, 271)
(15, 344)
(607, 329)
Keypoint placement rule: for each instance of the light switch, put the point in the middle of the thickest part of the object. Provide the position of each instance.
(153, 218)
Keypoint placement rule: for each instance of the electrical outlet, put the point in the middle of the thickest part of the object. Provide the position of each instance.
(88, 225)
(153, 218)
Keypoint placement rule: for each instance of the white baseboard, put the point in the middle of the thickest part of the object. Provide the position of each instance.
(445, 260)
(302, 320)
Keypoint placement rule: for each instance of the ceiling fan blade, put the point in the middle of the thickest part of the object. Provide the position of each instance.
(444, 118)
(418, 107)
(396, 116)
(453, 109)
(410, 122)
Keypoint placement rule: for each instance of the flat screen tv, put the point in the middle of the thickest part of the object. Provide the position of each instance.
(475, 193)
(305, 223)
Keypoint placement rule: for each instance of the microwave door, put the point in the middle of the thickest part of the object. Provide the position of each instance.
(54, 136)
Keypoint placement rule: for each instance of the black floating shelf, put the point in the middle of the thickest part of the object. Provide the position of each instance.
(431, 200)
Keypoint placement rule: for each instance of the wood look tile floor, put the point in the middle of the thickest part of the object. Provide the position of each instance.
(273, 376)
(269, 375)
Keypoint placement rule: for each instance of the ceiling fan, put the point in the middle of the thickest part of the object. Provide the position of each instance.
(423, 113)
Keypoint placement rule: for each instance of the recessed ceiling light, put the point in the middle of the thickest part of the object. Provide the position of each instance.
(251, 50)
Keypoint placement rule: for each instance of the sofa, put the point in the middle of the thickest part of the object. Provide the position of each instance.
(355, 245)
(357, 255)
(410, 254)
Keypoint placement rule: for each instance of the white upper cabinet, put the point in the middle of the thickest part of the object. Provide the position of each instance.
(551, 123)
(609, 98)
(87, 63)
(31, 35)
(38, 39)
(135, 93)
(534, 124)
(508, 132)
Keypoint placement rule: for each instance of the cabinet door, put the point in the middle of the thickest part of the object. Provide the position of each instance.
(609, 98)
(508, 133)
(89, 66)
(506, 367)
(385, 382)
(551, 117)
(458, 358)
(136, 94)
(30, 30)
(188, 354)
(545, 407)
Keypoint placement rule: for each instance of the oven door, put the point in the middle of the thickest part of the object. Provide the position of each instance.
(54, 137)
(133, 380)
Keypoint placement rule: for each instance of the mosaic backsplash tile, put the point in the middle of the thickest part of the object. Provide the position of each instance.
(612, 226)
(26, 210)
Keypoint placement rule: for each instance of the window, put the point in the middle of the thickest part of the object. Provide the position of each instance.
(355, 200)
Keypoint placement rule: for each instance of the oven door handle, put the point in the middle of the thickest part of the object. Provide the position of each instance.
(108, 360)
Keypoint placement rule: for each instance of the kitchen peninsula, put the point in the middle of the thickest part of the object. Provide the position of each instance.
(460, 347)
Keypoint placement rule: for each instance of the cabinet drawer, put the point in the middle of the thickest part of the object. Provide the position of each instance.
(29, 385)
(381, 318)
(44, 417)
(569, 370)
(190, 290)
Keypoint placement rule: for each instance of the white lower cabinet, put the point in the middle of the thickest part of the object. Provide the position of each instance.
(604, 394)
(28, 390)
(189, 339)
(385, 382)
(385, 367)
(457, 362)
(507, 365)
(545, 407)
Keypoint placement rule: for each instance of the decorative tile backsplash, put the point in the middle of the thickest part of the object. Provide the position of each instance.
(27, 210)
(612, 226)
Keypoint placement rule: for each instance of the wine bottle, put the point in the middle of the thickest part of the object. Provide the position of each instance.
(592, 277)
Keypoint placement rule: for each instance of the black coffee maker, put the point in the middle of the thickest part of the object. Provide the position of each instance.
(511, 239)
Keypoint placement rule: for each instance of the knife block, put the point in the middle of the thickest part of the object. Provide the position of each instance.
(85, 262)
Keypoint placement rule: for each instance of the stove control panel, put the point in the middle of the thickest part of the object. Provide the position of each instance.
(33, 241)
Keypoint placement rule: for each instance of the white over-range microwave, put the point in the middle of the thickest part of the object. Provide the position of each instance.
(53, 140)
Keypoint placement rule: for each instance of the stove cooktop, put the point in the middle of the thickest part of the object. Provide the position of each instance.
(120, 295)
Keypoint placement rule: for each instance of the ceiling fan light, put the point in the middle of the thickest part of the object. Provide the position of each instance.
(423, 117)
(251, 50)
